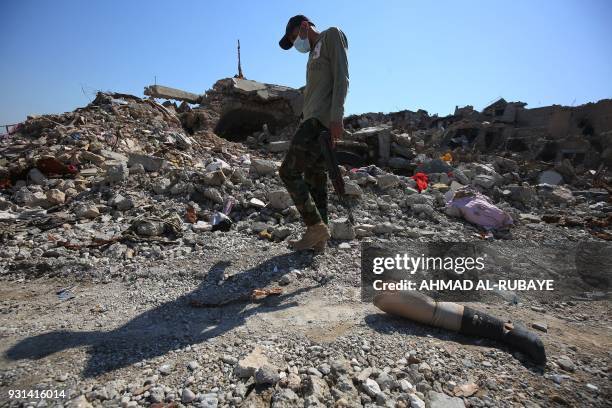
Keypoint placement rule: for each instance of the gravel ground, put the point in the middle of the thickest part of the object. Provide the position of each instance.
(115, 291)
(137, 334)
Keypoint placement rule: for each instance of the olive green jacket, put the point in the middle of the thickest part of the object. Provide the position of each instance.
(327, 77)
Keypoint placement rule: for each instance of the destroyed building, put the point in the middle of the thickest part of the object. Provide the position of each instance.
(238, 109)
(53, 160)
(133, 193)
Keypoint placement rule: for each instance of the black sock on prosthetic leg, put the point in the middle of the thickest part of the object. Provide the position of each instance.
(476, 323)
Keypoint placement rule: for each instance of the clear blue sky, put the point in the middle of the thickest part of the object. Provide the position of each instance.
(402, 54)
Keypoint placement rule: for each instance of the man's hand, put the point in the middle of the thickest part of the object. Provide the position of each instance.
(336, 129)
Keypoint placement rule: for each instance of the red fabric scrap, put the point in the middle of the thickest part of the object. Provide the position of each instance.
(421, 181)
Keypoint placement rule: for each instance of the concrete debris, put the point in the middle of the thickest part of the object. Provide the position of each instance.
(159, 91)
(55, 197)
(266, 375)
(86, 211)
(36, 177)
(116, 172)
(342, 229)
(250, 364)
(148, 228)
(387, 181)
(541, 326)
(280, 199)
(236, 108)
(148, 162)
(371, 387)
(440, 400)
(351, 188)
(257, 203)
(263, 167)
(126, 188)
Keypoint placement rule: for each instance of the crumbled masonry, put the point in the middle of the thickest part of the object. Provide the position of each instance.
(144, 253)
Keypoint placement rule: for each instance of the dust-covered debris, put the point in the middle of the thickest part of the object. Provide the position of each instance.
(144, 211)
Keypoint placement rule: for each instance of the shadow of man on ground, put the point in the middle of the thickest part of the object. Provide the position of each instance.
(173, 324)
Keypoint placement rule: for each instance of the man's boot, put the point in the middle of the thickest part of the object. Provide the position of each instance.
(315, 236)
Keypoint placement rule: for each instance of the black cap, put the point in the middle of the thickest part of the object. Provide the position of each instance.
(295, 21)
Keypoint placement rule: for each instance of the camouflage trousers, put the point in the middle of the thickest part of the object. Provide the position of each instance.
(305, 174)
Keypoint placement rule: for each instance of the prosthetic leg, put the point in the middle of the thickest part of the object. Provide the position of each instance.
(463, 319)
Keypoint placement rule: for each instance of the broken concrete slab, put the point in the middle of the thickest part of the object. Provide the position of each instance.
(150, 163)
(385, 181)
(88, 156)
(440, 400)
(342, 229)
(267, 91)
(263, 167)
(116, 156)
(159, 91)
(248, 366)
(90, 172)
(351, 188)
(116, 172)
(244, 107)
(379, 136)
(280, 199)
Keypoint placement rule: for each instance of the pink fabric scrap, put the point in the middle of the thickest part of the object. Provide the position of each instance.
(479, 210)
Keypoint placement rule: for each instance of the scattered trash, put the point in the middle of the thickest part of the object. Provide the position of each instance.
(191, 215)
(478, 209)
(254, 295)
(265, 235)
(421, 181)
(228, 205)
(50, 166)
(66, 293)
(447, 157)
(221, 222)
(258, 294)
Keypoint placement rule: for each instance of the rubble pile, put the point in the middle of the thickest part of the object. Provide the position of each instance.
(120, 166)
(236, 108)
(582, 134)
(129, 188)
(122, 176)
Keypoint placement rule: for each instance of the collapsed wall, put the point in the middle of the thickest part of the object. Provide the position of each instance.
(244, 106)
(236, 108)
(130, 163)
(581, 134)
(265, 115)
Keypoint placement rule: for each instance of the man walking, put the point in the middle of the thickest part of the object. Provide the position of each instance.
(303, 171)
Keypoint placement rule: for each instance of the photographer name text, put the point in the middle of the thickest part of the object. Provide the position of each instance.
(463, 285)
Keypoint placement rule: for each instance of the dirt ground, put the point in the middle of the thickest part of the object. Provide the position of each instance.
(142, 325)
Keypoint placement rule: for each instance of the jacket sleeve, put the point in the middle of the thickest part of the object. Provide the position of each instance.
(338, 46)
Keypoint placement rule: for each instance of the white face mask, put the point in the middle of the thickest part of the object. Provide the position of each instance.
(302, 44)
